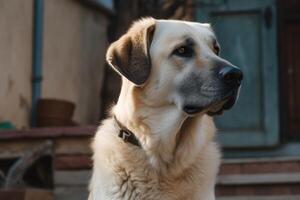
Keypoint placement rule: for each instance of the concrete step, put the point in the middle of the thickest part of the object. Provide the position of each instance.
(263, 178)
(260, 198)
(259, 179)
(71, 185)
(260, 165)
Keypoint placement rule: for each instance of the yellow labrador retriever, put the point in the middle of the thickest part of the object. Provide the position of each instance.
(159, 142)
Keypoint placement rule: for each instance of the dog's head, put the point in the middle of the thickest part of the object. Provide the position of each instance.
(176, 63)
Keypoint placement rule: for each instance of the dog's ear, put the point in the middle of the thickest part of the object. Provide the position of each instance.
(130, 56)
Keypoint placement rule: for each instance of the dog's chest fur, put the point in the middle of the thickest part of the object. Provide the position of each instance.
(127, 173)
(146, 183)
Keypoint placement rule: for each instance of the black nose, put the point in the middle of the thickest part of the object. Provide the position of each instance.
(231, 75)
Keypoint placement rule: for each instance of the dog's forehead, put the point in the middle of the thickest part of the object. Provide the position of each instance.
(175, 30)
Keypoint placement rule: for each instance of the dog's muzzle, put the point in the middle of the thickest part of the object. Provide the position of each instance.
(230, 78)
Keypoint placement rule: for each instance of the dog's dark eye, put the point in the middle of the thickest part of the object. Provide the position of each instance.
(216, 48)
(184, 51)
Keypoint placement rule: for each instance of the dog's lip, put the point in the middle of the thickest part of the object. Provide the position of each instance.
(229, 103)
(192, 109)
(225, 103)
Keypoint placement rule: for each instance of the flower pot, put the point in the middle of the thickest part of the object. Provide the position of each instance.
(54, 112)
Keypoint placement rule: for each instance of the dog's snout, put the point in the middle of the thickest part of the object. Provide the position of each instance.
(231, 75)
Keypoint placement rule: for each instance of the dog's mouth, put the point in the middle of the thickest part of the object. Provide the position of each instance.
(216, 107)
(223, 105)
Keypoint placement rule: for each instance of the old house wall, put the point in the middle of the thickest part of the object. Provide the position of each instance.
(16, 26)
(74, 44)
(73, 56)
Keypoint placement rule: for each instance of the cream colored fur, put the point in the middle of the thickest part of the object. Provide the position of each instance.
(179, 159)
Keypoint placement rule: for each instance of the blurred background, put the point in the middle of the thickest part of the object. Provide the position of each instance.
(55, 87)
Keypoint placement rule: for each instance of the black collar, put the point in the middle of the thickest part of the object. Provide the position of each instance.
(126, 135)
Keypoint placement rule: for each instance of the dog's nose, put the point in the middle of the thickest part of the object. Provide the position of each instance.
(231, 75)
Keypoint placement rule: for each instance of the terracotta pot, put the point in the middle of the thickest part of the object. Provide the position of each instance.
(54, 112)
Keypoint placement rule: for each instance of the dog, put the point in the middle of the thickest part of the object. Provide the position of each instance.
(159, 141)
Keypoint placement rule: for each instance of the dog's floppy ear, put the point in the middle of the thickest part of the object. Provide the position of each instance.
(130, 56)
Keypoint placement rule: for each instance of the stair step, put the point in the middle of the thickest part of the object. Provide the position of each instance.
(260, 160)
(259, 198)
(260, 166)
(257, 179)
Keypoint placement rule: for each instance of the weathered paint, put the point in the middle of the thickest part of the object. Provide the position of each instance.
(73, 56)
(74, 38)
(16, 26)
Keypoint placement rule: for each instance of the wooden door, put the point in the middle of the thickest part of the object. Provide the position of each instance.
(247, 33)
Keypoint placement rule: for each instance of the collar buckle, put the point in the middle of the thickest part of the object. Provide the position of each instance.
(125, 135)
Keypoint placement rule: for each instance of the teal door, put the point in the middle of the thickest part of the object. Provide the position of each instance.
(246, 30)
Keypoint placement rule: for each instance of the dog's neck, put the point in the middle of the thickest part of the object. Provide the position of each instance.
(163, 131)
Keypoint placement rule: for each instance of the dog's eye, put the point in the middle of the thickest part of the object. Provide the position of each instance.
(184, 51)
(216, 48)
